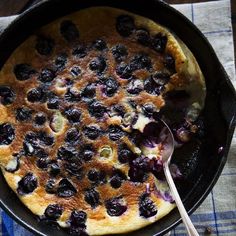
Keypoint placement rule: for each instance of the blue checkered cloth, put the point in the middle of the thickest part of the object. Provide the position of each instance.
(218, 211)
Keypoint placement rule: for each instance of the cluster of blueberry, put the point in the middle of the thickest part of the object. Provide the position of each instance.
(76, 221)
(37, 143)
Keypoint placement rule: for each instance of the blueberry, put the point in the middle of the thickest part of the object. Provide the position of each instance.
(40, 153)
(72, 95)
(92, 197)
(156, 169)
(32, 139)
(135, 86)
(53, 102)
(140, 61)
(7, 96)
(89, 91)
(33, 143)
(23, 114)
(117, 178)
(72, 136)
(169, 62)
(124, 153)
(73, 115)
(151, 87)
(124, 70)
(102, 177)
(69, 31)
(97, 109)
(99, 44)
(137, 175)
(61, 61)
(54, 169)
(50, 186)
(142, 36)
(87, 152)
(93, 175)
(44, 45)
(66, 153)
(110, 87)
(27, 184)
(7, 134)
(98, 64)
(53, 211)
(114, 207)
(80, 51)
(119, 109)
(142, 163)
(42, 163)
(40, 119)
(66, 188)
(36, 95)
(161, 78)
(159, 42)
(45, 139)
(147, 207)
(75, 71)
(115, 132)
(96, 176)
(46, 75)
(23, 71)
(148, 109)
(78, 218)
(92, 132)
(119, 52)
(125, 25)
(74, 168)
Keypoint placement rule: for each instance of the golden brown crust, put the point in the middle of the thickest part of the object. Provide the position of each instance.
(93, 23)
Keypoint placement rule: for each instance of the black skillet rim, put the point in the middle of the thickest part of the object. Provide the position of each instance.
(224, 75)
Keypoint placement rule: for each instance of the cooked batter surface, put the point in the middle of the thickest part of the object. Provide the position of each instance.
(75, 99)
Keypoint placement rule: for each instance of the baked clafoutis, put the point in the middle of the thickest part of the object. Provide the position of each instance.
(78, 104)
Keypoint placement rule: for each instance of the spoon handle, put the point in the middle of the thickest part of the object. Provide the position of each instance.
(184, 215)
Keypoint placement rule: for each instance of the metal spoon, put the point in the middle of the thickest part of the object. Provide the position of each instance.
(167, 139)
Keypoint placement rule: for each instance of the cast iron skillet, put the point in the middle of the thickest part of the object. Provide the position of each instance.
(219, 113)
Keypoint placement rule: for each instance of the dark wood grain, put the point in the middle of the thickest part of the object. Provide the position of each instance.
(11, 7)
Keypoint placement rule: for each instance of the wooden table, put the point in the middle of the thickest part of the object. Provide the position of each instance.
(10, 7)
